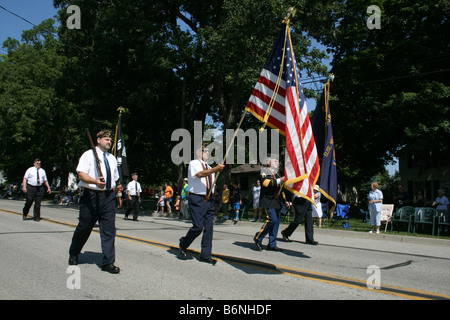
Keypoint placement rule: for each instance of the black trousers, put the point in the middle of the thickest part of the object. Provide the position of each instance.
(202, 221)
(133, 205)
(101, 207)
(36, 194)
(302, 210)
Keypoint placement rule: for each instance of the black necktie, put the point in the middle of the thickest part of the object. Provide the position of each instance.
(38, 181)
(108, 172)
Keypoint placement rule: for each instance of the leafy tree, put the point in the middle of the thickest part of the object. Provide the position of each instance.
(36, 121)
(170, 63)
(391, 86)
(122, 56)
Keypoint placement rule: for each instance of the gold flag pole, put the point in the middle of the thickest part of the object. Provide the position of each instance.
(120, 109)
(226, 154)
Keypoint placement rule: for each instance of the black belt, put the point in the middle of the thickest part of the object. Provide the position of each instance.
(34, 186)
(196, 194)
(99, 191)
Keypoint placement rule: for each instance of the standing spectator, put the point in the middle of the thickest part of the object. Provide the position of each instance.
(442, 206)
(225, 201)
(160, 205)
(375, 204)
(257, 210)
(33, 186)
(177, 206)
(184, 200)
(160, 191)
(237, 201)
(119, 191)
(134, 194)
(169, 194)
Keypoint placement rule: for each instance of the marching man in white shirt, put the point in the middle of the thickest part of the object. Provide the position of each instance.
(33, 186)
(98, 202)
(201, 181)
(134, 197)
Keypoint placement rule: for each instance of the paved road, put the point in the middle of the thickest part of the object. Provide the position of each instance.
(345, 265)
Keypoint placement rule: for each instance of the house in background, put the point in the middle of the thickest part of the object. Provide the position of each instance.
(425, 168)
(245, 175)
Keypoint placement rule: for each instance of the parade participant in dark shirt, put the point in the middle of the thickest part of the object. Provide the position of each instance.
(271, 199)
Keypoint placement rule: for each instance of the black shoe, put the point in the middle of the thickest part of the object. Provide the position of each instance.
(24, 217)
(182, 253)
(258, 244)
(135, 219)
(285, 237)
(73, 260)
(209, 260)
(37, 219)
(126, 218)
(111, 268)
(312, 242)
(274, 249)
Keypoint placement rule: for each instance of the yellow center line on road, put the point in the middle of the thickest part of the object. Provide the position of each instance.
(407, 293)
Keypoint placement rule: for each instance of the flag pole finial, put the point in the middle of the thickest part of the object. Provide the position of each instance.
(291, 13)
(331, 77)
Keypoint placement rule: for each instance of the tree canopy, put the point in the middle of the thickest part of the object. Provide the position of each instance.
(391, 86)
(173, 62)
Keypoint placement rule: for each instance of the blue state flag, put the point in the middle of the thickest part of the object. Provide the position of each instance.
(323, 135)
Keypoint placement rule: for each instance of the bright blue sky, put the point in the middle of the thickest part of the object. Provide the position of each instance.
(33, 10)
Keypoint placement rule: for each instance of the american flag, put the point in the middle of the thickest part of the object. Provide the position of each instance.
(278, 100)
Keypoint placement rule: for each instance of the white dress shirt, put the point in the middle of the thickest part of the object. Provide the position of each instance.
(88, 165)
(195, 184)
(134, 188)
(31, 176)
